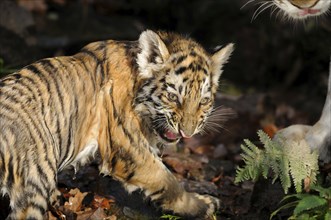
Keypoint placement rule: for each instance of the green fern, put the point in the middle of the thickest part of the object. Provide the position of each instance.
(291, 162)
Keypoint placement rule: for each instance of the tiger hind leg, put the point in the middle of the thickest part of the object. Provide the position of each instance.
(32, 200)
(29, 205)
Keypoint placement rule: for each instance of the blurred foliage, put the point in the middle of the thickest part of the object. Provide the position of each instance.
(4, 70)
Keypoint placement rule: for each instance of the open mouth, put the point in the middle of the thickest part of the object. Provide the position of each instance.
(169, 135)
(308, 11)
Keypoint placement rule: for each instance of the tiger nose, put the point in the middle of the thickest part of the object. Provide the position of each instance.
(182, 133)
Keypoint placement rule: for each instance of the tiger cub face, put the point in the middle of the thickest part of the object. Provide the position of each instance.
(301, 9)
(180, 81)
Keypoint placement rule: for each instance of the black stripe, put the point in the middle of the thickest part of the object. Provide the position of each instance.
(120, 121)
(128, 178)
(17, 75)
(91, 54)
(180, 89)
(2, 166)
(10, 171)
(205, 71)
(171, 85)
(160, 191)
(102, 45)
(34, 125)
(32, 68)
(38, 206)
(113, 162)
(58, 131)
(91, 75)
(43, 176)
(70, 133)
(67, 149)
(198, 67)
(38, 93)
(192, 67)
(52, 70)
(153, 89)
(108, 129)
(35, 188)
(180, 70)
(181, 59)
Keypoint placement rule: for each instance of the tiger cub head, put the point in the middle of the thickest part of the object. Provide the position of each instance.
(179, 81)
(301, 9)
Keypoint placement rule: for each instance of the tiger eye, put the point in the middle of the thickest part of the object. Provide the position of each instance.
(172, 97)
(205, 101)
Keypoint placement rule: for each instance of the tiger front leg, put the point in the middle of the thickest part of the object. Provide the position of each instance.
(160, 185)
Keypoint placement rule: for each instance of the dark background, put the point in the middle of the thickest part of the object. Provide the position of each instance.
(277, 75)
(286, 62)
(271, 52)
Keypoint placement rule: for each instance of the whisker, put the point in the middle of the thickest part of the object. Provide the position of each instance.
(273, 10)
(250, 1)
(260, 9)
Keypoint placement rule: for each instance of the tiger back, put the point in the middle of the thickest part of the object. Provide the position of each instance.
(121, 99)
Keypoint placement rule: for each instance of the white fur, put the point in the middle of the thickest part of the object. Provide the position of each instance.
(296, 13)
(149, 41)
(87, 153)
(220, 58)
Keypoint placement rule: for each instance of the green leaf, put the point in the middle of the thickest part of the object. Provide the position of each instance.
(309, 203)
(170, 217)
(286, 206)
(297, 195)
(324, 192)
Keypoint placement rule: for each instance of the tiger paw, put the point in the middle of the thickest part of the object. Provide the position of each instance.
(193, 205)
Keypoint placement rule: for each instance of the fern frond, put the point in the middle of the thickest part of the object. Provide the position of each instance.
(254, 159)
(287, 161)
(284, 174)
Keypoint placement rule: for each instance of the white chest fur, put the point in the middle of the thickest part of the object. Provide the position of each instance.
(86, 154)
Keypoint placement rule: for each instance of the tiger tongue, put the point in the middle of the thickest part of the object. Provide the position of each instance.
(171, 135)
(308, 11)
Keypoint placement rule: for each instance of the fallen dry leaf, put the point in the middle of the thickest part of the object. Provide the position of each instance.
(270, 129)
(182, 163)
(101, 202)
(75, 201)
(216, 178)
(307, 184)
(98, 214)
(86, 214)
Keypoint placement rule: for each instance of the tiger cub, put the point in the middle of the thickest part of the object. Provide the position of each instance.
(301, 9)
(120, 99)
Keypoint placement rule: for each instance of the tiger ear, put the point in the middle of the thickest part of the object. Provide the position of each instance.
(219, 58)
(152, 55)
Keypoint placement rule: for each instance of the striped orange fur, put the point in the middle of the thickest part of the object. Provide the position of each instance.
(121, 99)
